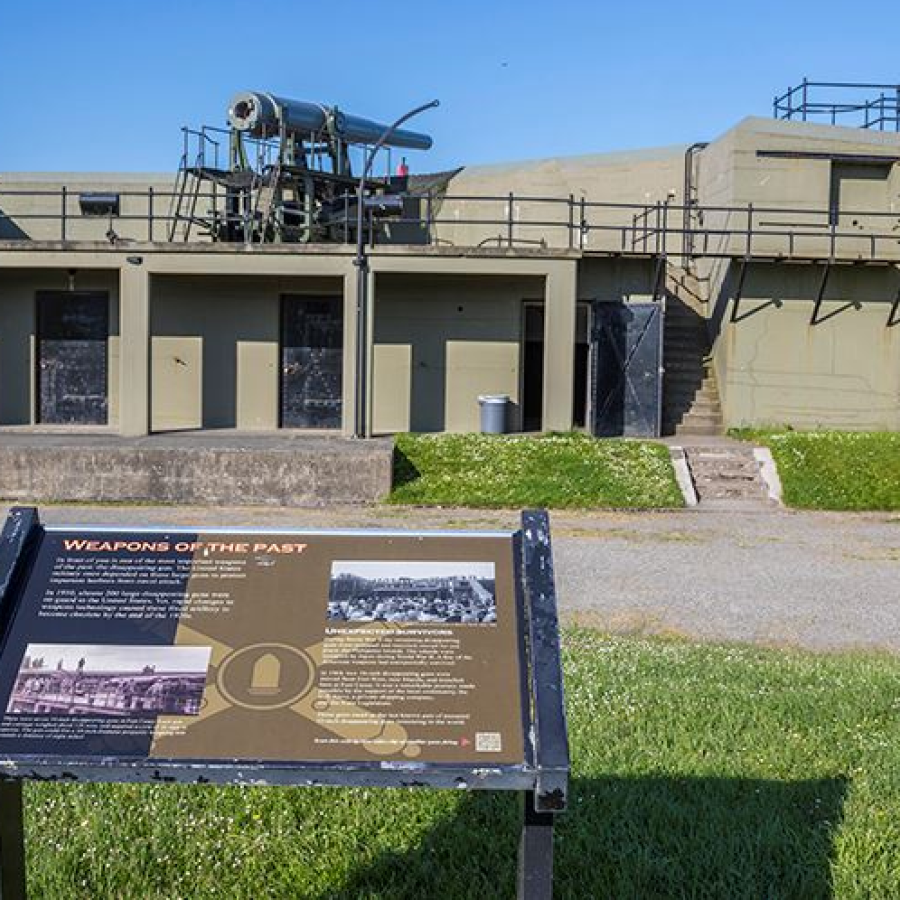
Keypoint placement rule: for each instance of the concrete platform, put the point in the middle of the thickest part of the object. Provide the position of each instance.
(205, 468)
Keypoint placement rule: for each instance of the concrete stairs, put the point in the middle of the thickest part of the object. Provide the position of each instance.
(727, 475)
(691, 403)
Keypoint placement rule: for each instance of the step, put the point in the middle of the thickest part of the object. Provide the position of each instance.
(681, 312)
(683, 373)
(711, 420)
(723, 473)
(693, 410)
(691, 429)
(726, 475)
(684, 361)
(686, 339)
(685, 331)
(716, 494)
(696, 348)
(681, 376)
(684, 387)
(685, 306)
(687, 299)
(689, 393)
(685, 319)
(694, 402)
(697, 354)
(712, 458)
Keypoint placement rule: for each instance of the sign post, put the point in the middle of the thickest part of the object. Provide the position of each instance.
(282, 657)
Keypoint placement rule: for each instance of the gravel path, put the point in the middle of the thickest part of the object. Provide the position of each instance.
(814, 580)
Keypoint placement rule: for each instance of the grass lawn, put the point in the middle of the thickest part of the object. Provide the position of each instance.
(556, 471)
(699, 771)
(835, 469)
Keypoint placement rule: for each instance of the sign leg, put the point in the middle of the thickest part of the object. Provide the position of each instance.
(12, 842)
(535, 853)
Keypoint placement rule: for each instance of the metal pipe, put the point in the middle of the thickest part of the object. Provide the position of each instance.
(360, 417)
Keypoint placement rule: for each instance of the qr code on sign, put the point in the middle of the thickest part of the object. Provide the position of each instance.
(488, 742)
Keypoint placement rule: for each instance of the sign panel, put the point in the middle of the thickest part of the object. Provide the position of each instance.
(266, 646)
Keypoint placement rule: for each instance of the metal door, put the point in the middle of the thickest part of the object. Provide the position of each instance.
(72, 357)
(626, 369)
(312, 332)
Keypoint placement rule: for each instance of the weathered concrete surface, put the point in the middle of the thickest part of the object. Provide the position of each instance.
(208, 469)
(821, 581)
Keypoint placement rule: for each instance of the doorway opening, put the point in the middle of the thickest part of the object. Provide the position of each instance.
(533, 365)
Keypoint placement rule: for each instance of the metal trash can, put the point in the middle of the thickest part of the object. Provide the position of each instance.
(493, 413)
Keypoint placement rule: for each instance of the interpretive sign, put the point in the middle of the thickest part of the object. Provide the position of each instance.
(282, 657)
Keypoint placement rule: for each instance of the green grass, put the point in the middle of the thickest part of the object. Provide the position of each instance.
(835, 469)
(556, 470)
(698, 771)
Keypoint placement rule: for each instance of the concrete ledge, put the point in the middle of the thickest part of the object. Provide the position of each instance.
(768, 470)
(203, 469)
(683, 475)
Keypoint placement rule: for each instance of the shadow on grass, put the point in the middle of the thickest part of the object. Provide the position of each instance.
(654, 837)
(405, 471)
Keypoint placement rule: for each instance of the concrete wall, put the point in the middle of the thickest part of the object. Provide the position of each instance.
(442, 340)
(215, 349)
(616, 280)
(639, 177)
(775, 368)
(196, 469)
(735, 171)
(18, 338)
(31, 205)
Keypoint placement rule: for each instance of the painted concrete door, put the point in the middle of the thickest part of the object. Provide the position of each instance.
(72, 357)
(312, 332)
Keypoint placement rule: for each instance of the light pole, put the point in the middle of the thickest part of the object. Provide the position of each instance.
(360, 411)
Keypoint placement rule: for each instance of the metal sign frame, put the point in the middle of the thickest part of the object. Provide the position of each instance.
(542, 777)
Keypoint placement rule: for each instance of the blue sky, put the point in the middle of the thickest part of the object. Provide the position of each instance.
(97, 85)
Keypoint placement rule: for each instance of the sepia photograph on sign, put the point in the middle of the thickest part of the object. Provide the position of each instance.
(458, 593)
(110, 680)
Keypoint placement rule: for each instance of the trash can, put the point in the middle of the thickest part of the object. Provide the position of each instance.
(493, 413)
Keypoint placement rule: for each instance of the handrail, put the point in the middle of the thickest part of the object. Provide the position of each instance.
(810, 100)
(511, 220)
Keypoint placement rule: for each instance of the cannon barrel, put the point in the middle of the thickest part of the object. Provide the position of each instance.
(259, 113)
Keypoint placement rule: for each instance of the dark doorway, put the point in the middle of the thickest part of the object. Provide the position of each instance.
(72, 357)
(312, 358)
(581, 365)
(533, 366)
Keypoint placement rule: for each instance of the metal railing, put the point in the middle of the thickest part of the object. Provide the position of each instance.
(841, 103)
(508, 221)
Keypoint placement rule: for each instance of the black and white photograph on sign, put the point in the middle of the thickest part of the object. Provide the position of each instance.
(110, 680)
(400, 591)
